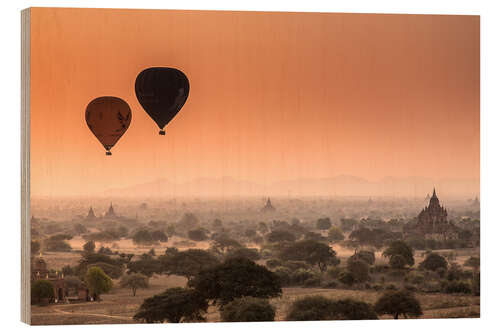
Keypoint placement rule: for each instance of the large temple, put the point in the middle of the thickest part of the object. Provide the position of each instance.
(432, 222)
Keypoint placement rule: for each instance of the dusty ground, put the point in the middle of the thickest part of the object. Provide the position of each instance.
(119, 306)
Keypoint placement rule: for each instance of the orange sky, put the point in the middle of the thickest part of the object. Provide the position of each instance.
(274, 96)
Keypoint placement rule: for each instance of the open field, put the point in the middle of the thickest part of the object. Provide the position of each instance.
(119, 306)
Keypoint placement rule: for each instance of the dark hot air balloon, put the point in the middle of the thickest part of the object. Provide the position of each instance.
(108, 118)
(162, 92)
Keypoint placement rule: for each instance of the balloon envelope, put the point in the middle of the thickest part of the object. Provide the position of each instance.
(162, 92)
(108, 118)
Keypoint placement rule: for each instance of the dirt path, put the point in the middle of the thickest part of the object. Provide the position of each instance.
(94, 314)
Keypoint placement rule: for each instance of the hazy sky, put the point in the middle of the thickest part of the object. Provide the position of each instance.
(274, 96)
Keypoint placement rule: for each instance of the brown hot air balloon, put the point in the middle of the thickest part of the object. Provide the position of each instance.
(108, 118)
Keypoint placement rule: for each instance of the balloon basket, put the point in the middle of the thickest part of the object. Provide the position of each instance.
(162, 132)
(108, 153)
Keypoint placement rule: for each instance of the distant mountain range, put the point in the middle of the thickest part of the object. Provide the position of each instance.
(343, 185)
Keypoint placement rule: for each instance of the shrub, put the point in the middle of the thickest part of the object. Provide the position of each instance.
(301, 275)
(398, 303)
(460, 287)
(322, 308)
(366, 256)
(246, 309)
(346, 277)
(415, 278)
(397, 261)
(283, 274)
(333, 272)
(42, 290)
(273, 263)
(359, 270)
(433, 262)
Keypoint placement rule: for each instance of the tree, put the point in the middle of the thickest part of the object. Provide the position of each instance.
(187, 263)
(42, 290)
(359, 270)
(402, 249)
(159, 236)
(335, 234)
(147, 265)
(143, 237)
(98, 282)
(57, 246)
(35, 247)
(312, 252)
(397, 303)
(366, 256)
(397, 261)
(473, 262)
(79, 228)
(322, 308)
(224, 243)
(134, 281)
(244, 252)
(113, 271)
(346, 277)
(433, 262)
(197, 235)
(89, 247)
(173, 305)
(280, 236)
(323, 223)
(236, 278)
(246, 309)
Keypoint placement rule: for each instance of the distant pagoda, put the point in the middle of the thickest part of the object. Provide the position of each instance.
(427, 198)
(111, 212)
(476, 201)
(268, 208)
(91, 215)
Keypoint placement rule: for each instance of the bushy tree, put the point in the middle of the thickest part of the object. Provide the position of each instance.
(134, 281)
(113, 271)
(147, 265)
(346, 277)
(323, 223)
(57, 246)
(98, 282)
(42, 290)
(473, 262)
(197, 235)
(89, 247)
(359, 269)
(312, 252)
(397, 261)
(396, 303)
(433, 262)
(322, 308)
(187, 263)
(159, 236)
(335, 234)
(236, 278)
(79, 228)
(174, 305)
(143, 237)
(244, 252)
(402, 249)
(246, 309)
(35, 247)
(280, 236)
(366, 256)
(223, 244)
